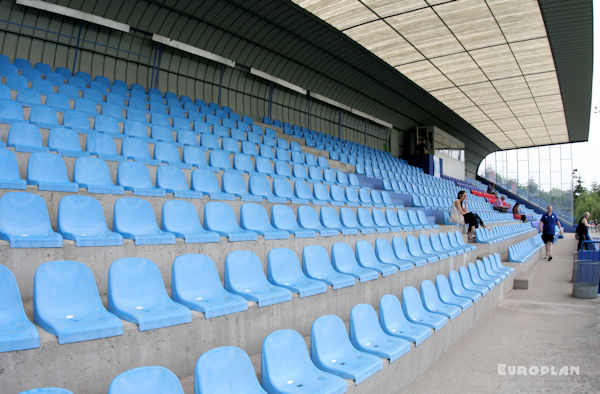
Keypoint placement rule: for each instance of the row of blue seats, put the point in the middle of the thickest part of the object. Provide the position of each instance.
(522, 251)
(26, 137)
(111, 119)
(424, 186)
(501, 233)
(335, 352)
(136, 292)
(25, 222)
(44, 79)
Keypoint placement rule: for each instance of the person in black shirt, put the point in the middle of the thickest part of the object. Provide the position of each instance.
(582, 230)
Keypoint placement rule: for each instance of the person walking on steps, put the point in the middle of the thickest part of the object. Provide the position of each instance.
(459, 207)
(582, 230)
(548, 223)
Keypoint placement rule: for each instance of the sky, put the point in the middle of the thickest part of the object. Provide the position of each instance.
(585, 154)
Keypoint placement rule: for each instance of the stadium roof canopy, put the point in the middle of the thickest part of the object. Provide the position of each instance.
(511, 68)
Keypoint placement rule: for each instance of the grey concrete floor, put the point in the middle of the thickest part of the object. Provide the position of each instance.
(540, 327)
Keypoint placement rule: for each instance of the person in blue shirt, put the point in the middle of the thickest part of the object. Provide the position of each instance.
(548, 222)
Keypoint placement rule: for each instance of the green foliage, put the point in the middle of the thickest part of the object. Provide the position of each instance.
(588, 201)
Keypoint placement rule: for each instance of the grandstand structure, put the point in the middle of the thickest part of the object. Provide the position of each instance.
(221, 196)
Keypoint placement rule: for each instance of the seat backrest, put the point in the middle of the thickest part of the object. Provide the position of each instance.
(210, 141)
(134, 215)
(321, 192)
(429, 294)
(284, 357)
(225, 369)
(79, 214)
(24, 134)
(135, 281)
(300, 171)
(316, 262)
(302, 189)
(391, 316)
(254, 217)
(376, 196)
(230, 145)
(136, 148)
(364, 323)
(351, 194)
(412, 216)
(365, 218)
(219, 216)
(192, 272)
(342, 257)
(103, 144)
(243, 271)
(283, 266)
(308, 217)
(282, 168)
(411, 303)
(43, 114)
(234, 183)
(9, 167)
(133, 174)
(282, 188)
(264, 165)
(195, 156)
(107, 124)
(23, 213)
(243, 162)
(379, 218)
(11, 304)
(259, 185)
(47, 167)
(330, 218)
(384, 251)
(329, 339)
(61, 138)
(166, 151)
(180, 216)
(342, 178)
(283, 217)
(315, 173)
(64, 288)
(172, 178)
(146, 380)
(220, 159)
(353, 180)
(349, 218)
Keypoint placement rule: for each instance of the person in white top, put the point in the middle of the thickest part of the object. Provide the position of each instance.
(470, 218)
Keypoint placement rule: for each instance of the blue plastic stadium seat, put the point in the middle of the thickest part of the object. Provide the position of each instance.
(367, 335)
(220, 159)
(65, 142)
(49, 172)
(136, 293)
(194, 156)
(219, 217)
(195, 283)
(234, 183)
(308, 218)
(331, 220)
(321, 195)
(181, 219)
(348, 219)
(244, 276)
(172, 180)
(485, 275)
(25, 223)
(135, 176)
(287, 367)
(380, 220)
(16, 331)
(9, 171)
(134, 219)
(249, 148)
(136, 129)
(43, 116)
(283, 189)
(146, 380)
(394, 322)
(161, 133)
(107, 125)
(25, 137)
(365, 255)
(226, 369)
(205, 181)
(456, 284)
(365, 219)
(377, 198)
(258, 185)
(475, 278)
(103, 146)
(385, 254)
(282, 168)
(332, 351)
(58, 102)
(433, 303)
(303, 190)
(137, 149)
(93, 174)
(56, 284)
(316, 264)
(15, 82)
(47, 390)
(428, 249)
(284, 270)
(282, 217)
(447, 295)
(77, 120)
(253, 217)
(10, 111)
(416, 312)
(29, 97)
(243, 162)
(81, 219)
(415, 250)
(344, 260)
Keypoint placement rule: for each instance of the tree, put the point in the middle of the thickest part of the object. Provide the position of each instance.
(579, 189)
